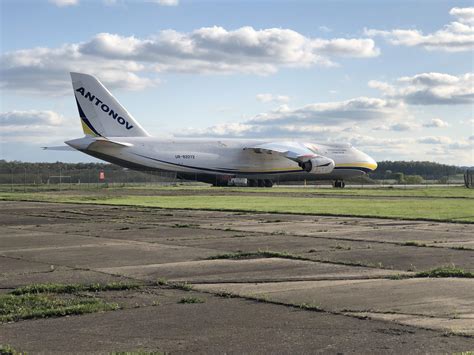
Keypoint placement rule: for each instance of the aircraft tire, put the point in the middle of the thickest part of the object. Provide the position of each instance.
(268, 183)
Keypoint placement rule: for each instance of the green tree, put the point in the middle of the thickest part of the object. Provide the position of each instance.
(400, 177)
(413, 179)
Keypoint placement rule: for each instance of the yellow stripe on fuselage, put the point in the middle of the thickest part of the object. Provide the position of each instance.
(370, 166)
(266, 171)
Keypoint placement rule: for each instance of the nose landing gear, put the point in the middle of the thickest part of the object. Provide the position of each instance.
(338, 184)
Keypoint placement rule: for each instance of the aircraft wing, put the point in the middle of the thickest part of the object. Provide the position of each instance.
(306, 158)
(292, 150)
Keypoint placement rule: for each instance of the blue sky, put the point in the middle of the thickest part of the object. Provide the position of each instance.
(394, 78)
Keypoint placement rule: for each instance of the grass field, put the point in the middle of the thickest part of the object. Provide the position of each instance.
(443, 204)
(388, 191)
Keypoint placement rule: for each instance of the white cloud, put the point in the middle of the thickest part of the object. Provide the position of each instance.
(323, 120)
(462, 145)
(129, 61)
(330, 113)
(430, 89)
(377, 143)
(325, 29)
(36, 126)
(384, 87)
(63, 3)
(165, 2)
(398, 127)
(215, 49)
(31, 117)
(454, 37)
(245, 130)
(434, 140)
(464, 15)
(46, 71)
(436, 123)
(265, 98)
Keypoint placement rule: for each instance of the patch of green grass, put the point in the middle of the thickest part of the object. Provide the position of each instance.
(29, 306)
(184, 286)
(439, 209)
(395, 191)
(162, 281)
(185, 300)
(73, 288)
(446, 271)
(9, 350)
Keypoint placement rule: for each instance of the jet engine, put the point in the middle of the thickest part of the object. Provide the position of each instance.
(318, 165)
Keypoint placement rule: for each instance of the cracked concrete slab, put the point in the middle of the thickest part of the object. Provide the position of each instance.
(110, 253)
(253, 270)
(420, 298)
(221, 325)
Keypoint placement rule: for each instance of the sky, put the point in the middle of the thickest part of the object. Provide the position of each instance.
(393, 78)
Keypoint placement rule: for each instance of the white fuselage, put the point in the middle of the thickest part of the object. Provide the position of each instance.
(204, 159)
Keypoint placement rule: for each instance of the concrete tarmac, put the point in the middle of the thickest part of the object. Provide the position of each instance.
(338, 284)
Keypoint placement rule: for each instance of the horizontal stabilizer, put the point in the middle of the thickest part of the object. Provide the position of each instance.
(88, 141)
(108, 141)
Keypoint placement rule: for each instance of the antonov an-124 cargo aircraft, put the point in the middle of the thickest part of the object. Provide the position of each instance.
(113, 135)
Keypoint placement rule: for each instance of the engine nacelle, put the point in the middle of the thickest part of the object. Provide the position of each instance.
(318, 165)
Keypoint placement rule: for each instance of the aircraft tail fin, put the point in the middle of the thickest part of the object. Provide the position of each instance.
(101, 114)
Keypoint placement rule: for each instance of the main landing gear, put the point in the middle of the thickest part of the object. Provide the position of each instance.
(338, 184)
(260, 183)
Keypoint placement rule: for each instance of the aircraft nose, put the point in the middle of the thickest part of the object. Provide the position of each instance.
(371, 163)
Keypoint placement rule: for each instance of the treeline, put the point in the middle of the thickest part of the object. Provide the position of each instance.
(426, 169)
(17, 172)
